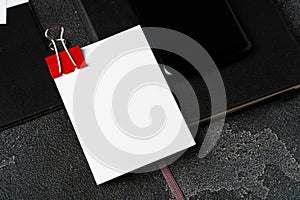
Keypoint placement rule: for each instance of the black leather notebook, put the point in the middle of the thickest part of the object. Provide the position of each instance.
(26, 86)
(27, 89)
(270, 68)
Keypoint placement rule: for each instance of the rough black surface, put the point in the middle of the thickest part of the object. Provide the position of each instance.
(257, 156)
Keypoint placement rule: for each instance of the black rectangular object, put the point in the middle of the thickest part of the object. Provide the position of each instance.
(26, 86)
(272, 65)
(213, 24)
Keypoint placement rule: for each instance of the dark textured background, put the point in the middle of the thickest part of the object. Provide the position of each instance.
(257, 156)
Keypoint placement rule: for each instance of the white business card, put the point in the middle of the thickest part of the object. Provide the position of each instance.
(5, 4)
(3, 8)
(12, 3)
(121, 107)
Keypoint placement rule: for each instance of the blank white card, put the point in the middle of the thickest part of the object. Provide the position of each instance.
(121, 107)
(3, 8)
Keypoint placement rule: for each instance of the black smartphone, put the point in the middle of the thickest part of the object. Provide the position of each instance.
(211, 23)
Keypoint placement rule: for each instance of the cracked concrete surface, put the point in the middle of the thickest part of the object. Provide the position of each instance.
(257, 156)
(7, 162)
(238, 163)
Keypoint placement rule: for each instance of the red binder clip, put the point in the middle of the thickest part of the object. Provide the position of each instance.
(66, 61)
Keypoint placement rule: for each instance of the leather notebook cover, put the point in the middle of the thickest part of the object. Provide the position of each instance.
(270, 67)
(26, 86)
